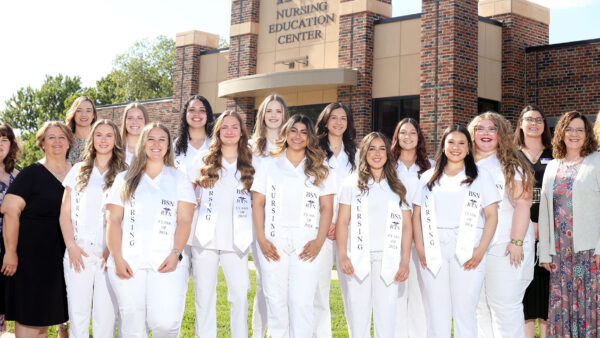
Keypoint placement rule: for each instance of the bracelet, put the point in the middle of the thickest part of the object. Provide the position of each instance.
(517, 242)
(70, 246)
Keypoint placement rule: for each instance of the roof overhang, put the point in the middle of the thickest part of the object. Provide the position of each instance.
(310, 79)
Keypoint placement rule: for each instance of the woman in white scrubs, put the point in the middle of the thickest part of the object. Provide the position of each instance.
(455, 216)
(292, 208)
(149, 210)
(133, 120)
(195, 129)
(223, 234)
(270, 117)
(336, 133)
(83, 228)
(374, 254)
(510, 257)
(409, 150)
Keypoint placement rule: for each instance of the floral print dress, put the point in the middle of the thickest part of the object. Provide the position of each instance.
(574, 297)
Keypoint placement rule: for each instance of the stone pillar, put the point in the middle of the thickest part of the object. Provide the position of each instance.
(448, 66)
(243, 45)
(524, 24)
(188, 48)
(356, 52)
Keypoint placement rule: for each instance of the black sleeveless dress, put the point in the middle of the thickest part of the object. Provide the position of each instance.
(36, 293)
(535, 301)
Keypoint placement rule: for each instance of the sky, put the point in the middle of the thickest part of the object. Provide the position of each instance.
(82, 37)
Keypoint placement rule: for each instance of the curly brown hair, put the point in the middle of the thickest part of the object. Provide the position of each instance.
(389, 168)
(209, 173)
(510, 158)
(559, 149)
(313, 167)
(10, 161)
(115, 165)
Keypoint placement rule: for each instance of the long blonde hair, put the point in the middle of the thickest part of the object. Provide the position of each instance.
(116, 164)
(132, 105)
(259, 137)
(313, 167)
(138, 164)
(511, 160)
(389, 168)
(597, 127)
(70, 119)
(209, 173)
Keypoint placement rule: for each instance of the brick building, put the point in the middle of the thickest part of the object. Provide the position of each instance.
(443, 66)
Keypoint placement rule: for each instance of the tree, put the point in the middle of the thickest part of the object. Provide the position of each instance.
(29, 108)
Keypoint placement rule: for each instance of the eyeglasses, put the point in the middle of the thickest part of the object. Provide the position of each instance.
(404, 134)
(574, 131)
(536, 120)
(491, 130)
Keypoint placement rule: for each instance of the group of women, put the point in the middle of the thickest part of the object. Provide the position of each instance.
(111, 224)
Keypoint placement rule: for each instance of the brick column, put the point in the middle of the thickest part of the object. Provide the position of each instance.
(243, 45)
(522, 26)
(356, 52)
(188, 48)
(454, 81)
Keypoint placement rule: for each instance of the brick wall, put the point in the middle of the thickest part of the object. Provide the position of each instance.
(355, 51)
(158, 110)
(457, 65)
(565, 77)
(518, 33)
(186, 75)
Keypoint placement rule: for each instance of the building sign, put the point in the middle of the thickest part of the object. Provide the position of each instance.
(300, 22)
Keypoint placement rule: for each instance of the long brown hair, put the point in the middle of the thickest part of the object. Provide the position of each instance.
(259, 137)
(209, 173)
(313, 167)
(116, 164)
(510, 158)
(348, 138)
(519, 138)
(422, 158)
(70, 119)
(559, 149)
(129, 107)
(389, 168)
(138, 164)
(10, 161)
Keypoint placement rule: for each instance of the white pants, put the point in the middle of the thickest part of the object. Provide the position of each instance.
(411, 316)
(372, 295)
(453, 293)
(151, 300)
(322, 311)
(89, 293)
(289, 286)
(259, 309)
(500, 309)
(205, 267)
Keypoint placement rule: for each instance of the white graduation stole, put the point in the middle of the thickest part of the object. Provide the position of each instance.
(468, 223)
(242, 219)
(431, 242)
(310, 211)
(207, 218)
(130, 242)
(360, 251)
(392, 243)
(163, 231)
(272, 203)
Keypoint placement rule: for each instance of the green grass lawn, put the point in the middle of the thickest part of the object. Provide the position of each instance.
(338, 320)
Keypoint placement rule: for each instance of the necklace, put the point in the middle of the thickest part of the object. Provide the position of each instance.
(531, 158)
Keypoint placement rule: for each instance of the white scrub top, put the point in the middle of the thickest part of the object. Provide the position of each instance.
(379, 195)
(505, 208)
(185, 160)
(150, 199)
(449, 196)
(342, 168)
(87, 210)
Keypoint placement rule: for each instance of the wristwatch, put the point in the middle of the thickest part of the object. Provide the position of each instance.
(517, 242)
(177, 253)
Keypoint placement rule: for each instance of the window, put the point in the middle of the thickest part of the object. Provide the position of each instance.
(311, 111)
(387, 112)
(484, 105)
